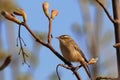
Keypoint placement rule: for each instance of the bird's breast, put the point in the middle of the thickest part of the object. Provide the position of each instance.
(70, 53)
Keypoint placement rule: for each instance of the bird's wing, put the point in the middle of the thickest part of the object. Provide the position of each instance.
(78, 49)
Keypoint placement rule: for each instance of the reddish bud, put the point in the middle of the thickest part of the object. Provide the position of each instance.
(10, 17)
(22, 13)
(45, 8)
(54, 13)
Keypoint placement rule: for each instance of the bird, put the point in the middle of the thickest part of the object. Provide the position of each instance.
(72, 52)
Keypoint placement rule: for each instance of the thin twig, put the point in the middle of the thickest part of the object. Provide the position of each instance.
(107, 13)
(20, 40)
(57, 71)
(50, 31)
(52, 49)
(66, 67)
(78, 67)
(45, 44)
(48, 45)
(116, 45)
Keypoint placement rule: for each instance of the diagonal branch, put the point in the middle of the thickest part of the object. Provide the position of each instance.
(107, 13)
(48, 44)
(53, 50)
(6, 62)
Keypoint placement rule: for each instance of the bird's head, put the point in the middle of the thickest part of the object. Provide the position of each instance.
(64, 38)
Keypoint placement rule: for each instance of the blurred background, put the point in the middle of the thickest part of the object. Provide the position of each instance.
(84, 20)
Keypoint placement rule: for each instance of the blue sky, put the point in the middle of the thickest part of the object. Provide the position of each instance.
(69, 13)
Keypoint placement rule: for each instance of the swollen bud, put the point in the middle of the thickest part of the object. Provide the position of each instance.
(54, 13)
(10, 17)
(45, 8)
(93, 61)
(22, 13)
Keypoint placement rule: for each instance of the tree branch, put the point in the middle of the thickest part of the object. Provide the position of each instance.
(116, 13)
(53, 50)
(54, 13)
(107, 13)
(6, 62)
(115, 21)
(50, 31)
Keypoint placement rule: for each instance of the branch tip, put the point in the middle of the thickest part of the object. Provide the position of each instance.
(116, 45)
(46, 9)
(10, 17)
(54, 13)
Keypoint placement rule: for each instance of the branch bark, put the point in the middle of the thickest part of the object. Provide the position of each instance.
(115, 21)
(107, 13)
(115, 5)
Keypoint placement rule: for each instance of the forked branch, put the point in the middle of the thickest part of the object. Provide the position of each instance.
(54, 13)
(107, 13)
(47, 44)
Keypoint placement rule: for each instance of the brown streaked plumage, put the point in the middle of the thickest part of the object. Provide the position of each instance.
(71, 52)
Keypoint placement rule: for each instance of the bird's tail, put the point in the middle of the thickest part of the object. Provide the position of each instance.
(87, 70)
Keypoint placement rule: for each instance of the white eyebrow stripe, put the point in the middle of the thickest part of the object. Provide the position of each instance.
(66, 36)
